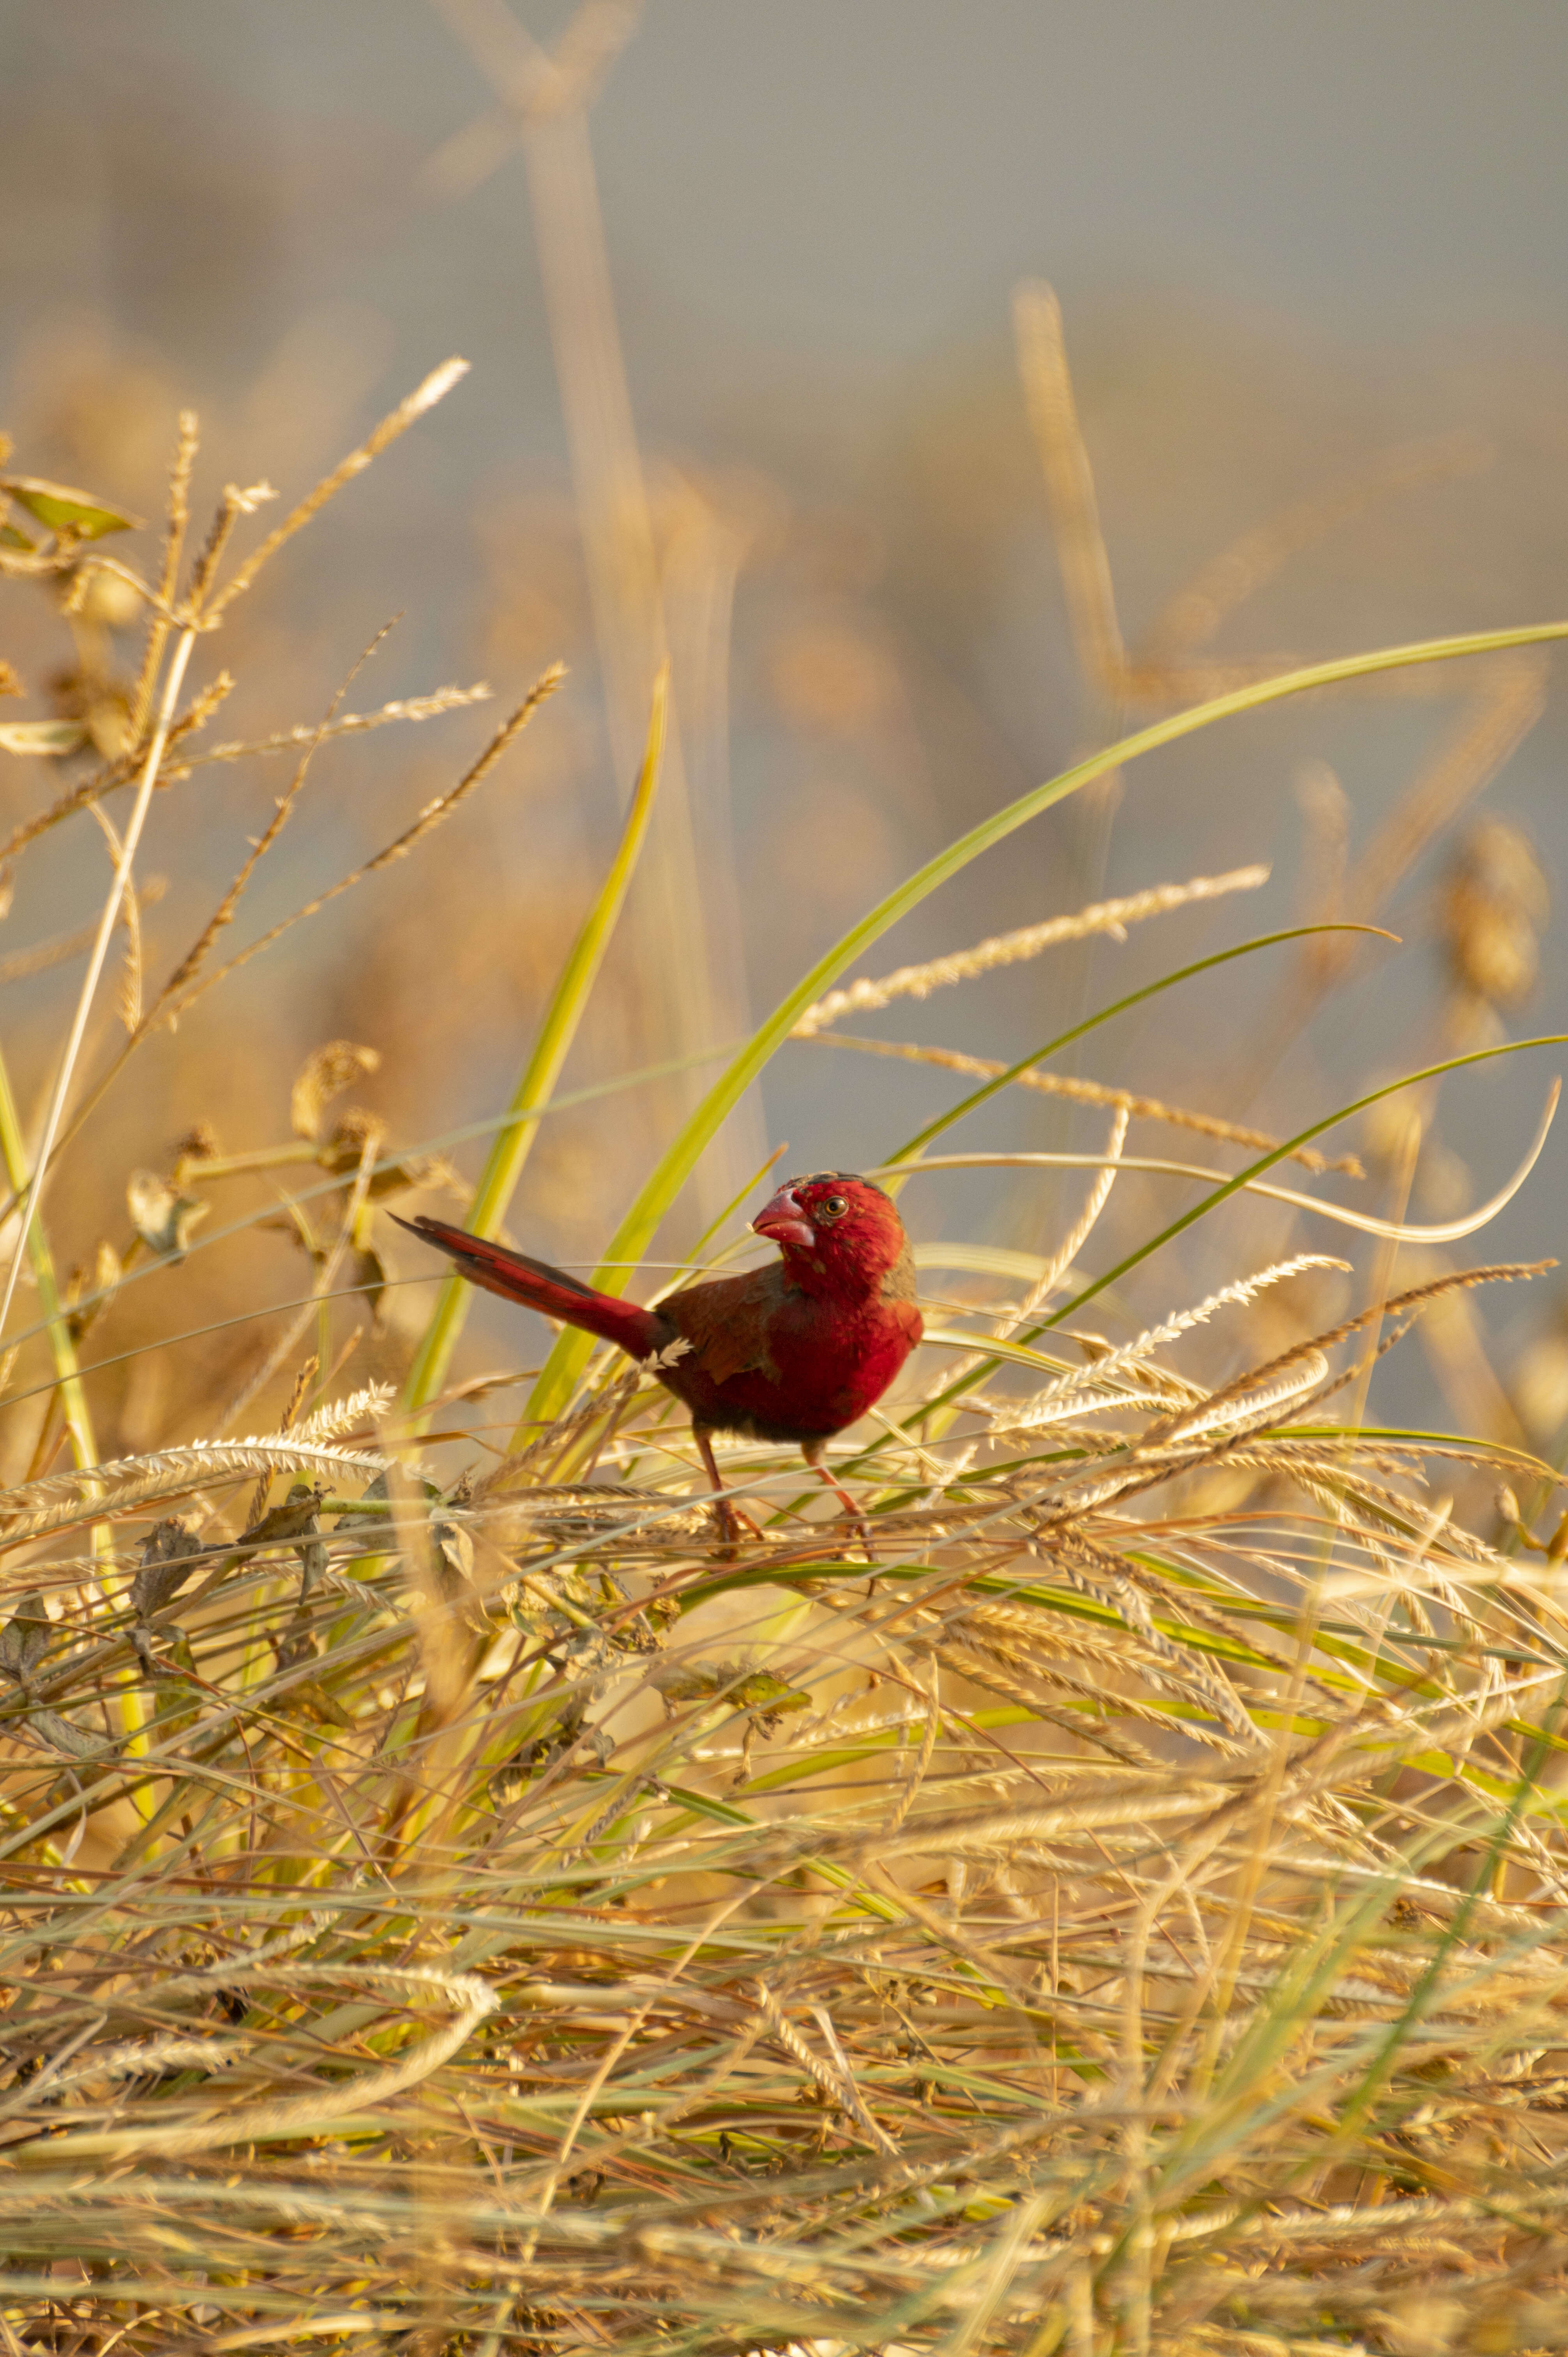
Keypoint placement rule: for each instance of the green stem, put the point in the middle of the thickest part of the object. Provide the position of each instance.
(128, 1705)
(511, 1150)
(73, 1398)
(234, 1166)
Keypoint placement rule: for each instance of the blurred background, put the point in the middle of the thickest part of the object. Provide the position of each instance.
(739, 286)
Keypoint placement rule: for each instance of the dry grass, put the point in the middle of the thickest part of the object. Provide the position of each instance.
(456, 1904)
(500, 1918)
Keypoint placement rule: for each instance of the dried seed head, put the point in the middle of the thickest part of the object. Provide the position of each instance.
(1493, 907)
(1110, 917)
(354, 1130)
(162, 1217)
(107, 598)
(201, 1143)
(110, 725)
(324, 1073)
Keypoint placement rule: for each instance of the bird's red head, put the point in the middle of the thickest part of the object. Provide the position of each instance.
(834, 1222)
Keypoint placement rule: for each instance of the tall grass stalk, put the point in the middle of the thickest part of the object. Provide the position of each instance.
(62, 1347)
(35, 1187)
(558, 1028)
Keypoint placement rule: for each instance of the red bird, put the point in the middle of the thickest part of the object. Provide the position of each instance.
(794, 1352)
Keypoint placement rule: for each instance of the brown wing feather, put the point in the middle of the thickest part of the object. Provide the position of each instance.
(726, 1321)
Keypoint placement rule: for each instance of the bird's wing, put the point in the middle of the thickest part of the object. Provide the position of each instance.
(727, 1321)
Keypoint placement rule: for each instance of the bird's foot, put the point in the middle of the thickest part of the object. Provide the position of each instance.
(860, 1529)
(734, 1523)
(849, 1512)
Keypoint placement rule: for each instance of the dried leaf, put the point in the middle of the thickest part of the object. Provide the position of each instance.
(176, 1699)
(352, 1132)
(26, 1637)
(201, 1143)
(369, 1278)
(61, 509)
(74, 1741)
(98, 1283)
(107, 597)
(421, 1170)
(110, 727)
(49, 738)
(164, 1567)
(309, 1699)
(455, 1571)
(324, 1074)
(162, 1219)
(741, 1686)
(105, 1269)
(292, 1520)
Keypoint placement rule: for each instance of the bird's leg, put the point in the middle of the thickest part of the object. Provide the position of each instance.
(814, 1452)
(732, 1520)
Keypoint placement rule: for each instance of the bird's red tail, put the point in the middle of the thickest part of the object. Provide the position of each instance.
(516, 1279)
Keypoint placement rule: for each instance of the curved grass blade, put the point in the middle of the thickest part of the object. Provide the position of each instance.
(1442, 1231)
(571, 1350)
(1305, 1138)
(976, 1097)
(1234, 1186)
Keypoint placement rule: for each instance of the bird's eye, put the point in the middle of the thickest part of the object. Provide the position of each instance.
(834, 1209)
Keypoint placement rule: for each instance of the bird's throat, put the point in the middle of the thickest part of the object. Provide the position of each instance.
(847, 1280)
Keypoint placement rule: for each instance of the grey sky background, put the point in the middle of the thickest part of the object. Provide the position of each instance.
(861, 180)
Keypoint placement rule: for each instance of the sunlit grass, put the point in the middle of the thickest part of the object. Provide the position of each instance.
(454, 1901)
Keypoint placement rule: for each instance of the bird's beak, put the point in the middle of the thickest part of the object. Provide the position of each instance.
(783, 1220)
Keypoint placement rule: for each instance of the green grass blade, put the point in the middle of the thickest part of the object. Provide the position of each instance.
(1290, 1145)
(68, 1375)
(1423, 1996)
(503, 1166)
(637, 1230)
(976, 1097)
(1234, 1186)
